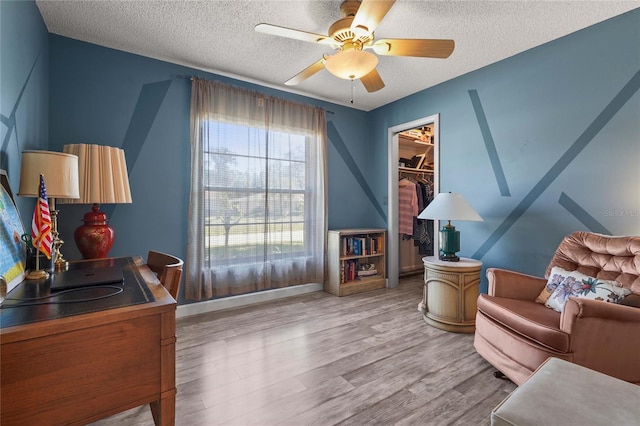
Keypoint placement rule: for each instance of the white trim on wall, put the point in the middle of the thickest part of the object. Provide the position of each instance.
(245, 299)
(393, 239)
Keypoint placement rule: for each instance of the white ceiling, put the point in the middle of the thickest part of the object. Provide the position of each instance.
(218, 36)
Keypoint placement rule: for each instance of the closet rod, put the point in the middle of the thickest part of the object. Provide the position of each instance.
(409, 170)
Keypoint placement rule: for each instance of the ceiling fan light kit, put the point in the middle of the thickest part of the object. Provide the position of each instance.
(353, 33)
(351, 64)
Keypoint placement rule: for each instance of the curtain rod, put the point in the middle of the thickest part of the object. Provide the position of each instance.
(191, 77)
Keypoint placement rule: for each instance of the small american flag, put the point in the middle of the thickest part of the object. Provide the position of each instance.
(41, 224)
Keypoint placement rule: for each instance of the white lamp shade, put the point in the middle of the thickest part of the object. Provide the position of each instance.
(449, 206)
(59, 170)
(351, 64)
(103, 174)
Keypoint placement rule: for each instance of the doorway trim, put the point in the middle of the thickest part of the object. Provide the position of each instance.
(393, 247)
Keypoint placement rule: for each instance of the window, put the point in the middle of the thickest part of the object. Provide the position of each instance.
(255, 193)
(257, 210)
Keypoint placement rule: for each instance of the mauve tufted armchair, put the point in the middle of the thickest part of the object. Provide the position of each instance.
(516, 334)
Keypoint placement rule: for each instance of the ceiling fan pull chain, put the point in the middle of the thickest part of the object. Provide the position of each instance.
(352, 90)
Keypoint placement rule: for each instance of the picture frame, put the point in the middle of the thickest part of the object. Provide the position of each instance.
(12, 248)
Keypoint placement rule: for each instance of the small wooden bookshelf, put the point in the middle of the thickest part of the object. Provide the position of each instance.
(356, 261)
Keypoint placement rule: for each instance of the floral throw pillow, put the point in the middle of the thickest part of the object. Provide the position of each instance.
(556, 276)
(584, 286)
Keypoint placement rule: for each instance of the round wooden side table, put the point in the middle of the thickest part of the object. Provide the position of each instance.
(450, 293)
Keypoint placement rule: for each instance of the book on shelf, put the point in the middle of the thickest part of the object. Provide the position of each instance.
(352, 270)
(349, 271)
(360, 245)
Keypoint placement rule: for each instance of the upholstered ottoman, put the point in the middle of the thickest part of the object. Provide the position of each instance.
(562, 393)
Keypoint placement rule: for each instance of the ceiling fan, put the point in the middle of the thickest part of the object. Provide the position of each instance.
(350, 36)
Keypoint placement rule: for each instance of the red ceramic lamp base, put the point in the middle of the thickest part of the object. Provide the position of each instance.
(95, 238)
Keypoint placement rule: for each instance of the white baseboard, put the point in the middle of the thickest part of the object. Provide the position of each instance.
(245, 299)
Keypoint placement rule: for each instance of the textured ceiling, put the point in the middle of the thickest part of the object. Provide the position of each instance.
(219, 36)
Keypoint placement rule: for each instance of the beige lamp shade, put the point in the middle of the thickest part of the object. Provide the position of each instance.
(60, 172)
(449, 206)
(102, 173)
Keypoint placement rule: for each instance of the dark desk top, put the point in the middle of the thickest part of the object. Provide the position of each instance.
(33, 301)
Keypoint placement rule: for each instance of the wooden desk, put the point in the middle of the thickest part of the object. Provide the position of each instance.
(74, 369)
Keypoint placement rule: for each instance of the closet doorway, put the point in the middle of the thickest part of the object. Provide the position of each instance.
(421, 138)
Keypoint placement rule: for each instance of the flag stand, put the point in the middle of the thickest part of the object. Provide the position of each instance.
(38, 273)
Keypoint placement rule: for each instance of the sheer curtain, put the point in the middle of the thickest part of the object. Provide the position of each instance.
(257, 211)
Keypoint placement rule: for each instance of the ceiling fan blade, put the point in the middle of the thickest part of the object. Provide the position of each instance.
(294, 34)
(369, 15)
(414, 47)
(372, 81)
(306, 73)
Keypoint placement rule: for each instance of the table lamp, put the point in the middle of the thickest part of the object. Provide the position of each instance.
(103, 180)
(449, 206)
(60, 172)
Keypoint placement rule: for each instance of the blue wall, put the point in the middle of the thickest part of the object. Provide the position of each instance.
(109, 97)
(562, 120)
(24, 90)
(563, 123)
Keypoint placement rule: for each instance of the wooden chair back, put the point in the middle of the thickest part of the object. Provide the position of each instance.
(168, 268)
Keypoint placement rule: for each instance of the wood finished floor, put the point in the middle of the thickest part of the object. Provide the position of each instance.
(317, 359)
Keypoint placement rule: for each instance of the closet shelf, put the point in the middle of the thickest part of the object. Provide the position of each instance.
(414, 139)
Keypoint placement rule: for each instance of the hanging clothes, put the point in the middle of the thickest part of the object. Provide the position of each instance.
(423, 228)
(414, 195)
(407, 206)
